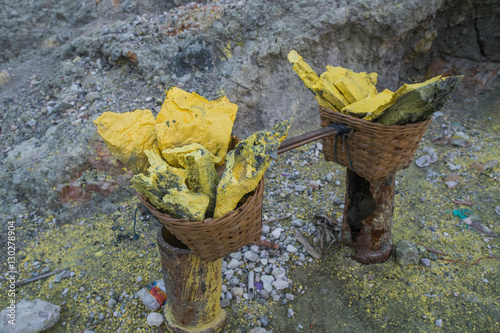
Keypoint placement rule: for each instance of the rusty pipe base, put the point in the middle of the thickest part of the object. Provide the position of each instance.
(193, 288)
(367, 222)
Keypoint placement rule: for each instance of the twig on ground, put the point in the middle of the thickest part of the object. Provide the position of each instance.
(309, 249)
(277, 219)
(463, 202)
(430, 249)
(43, 276)
(89, 328)
(467, 263)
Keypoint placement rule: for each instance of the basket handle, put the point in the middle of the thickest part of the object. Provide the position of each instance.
(300, 140)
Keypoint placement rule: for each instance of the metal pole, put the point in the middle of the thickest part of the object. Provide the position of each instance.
(367, 222)
(193, 288)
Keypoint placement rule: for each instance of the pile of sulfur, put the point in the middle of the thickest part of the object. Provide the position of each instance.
(342, 90)
(174, 157)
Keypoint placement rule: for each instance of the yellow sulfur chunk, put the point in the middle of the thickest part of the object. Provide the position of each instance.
(177, 156)
(325, 92)
(201, 174)
(406, 88)
(128, 135)
(245, 166)
(306, 73)
(202, 177)
(166, 189)
(187, 118)
(356, 86)
(413, 103)
(333, 74)
(324, 103)
(370, 106)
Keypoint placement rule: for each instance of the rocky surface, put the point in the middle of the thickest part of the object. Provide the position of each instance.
(30, 317)
(63, 63)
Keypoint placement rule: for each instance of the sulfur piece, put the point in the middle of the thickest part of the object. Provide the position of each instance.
(356, 86)
(187, 118)
(245, 166)
(201, 174)
(177, 156)
(128, 135)
(370, 106)
(417, 102)
(325, 92)
(165, 187)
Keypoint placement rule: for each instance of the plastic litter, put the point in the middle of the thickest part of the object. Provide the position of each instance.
(462, 213)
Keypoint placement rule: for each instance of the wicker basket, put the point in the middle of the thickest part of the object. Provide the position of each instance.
(376, 150)
(213, 239)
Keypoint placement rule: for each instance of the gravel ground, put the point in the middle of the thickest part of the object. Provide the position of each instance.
(299, 293)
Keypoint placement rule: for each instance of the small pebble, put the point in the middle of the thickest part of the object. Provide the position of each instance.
(439, 322)
(155, 319)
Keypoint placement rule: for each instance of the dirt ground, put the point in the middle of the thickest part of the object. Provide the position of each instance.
(334, 294)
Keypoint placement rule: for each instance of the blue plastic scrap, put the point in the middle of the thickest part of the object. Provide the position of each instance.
(462, 213)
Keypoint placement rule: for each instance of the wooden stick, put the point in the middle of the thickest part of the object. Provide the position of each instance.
(43, 276)
(309, 249)
(90, 328)
(268, 244)
(433, 250)
(463, 202)
(305, 138)
(277, 219)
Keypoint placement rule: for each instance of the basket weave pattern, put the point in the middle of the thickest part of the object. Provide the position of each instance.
(376, 150)
(214, 239)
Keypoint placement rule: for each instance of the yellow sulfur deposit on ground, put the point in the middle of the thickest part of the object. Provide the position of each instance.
(369, 107)
(166, 189)
(246, 165)
(187, 118)
(128, 135)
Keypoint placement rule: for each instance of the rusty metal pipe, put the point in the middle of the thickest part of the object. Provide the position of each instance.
(305, 138)
(367, 221)
(193, 288)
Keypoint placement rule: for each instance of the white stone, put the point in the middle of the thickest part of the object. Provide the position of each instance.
(233, 264)
(291, 249)
(300, 188)
(237, 291)
(279, 273)
(280, 284)
(251, 256)
(277, 233)
(155, 319)
(229, 274)
(266, 229)
(267, 281)
(30, 317)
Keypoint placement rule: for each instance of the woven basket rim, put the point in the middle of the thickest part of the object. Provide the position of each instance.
(374, 125)
(207, 223)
